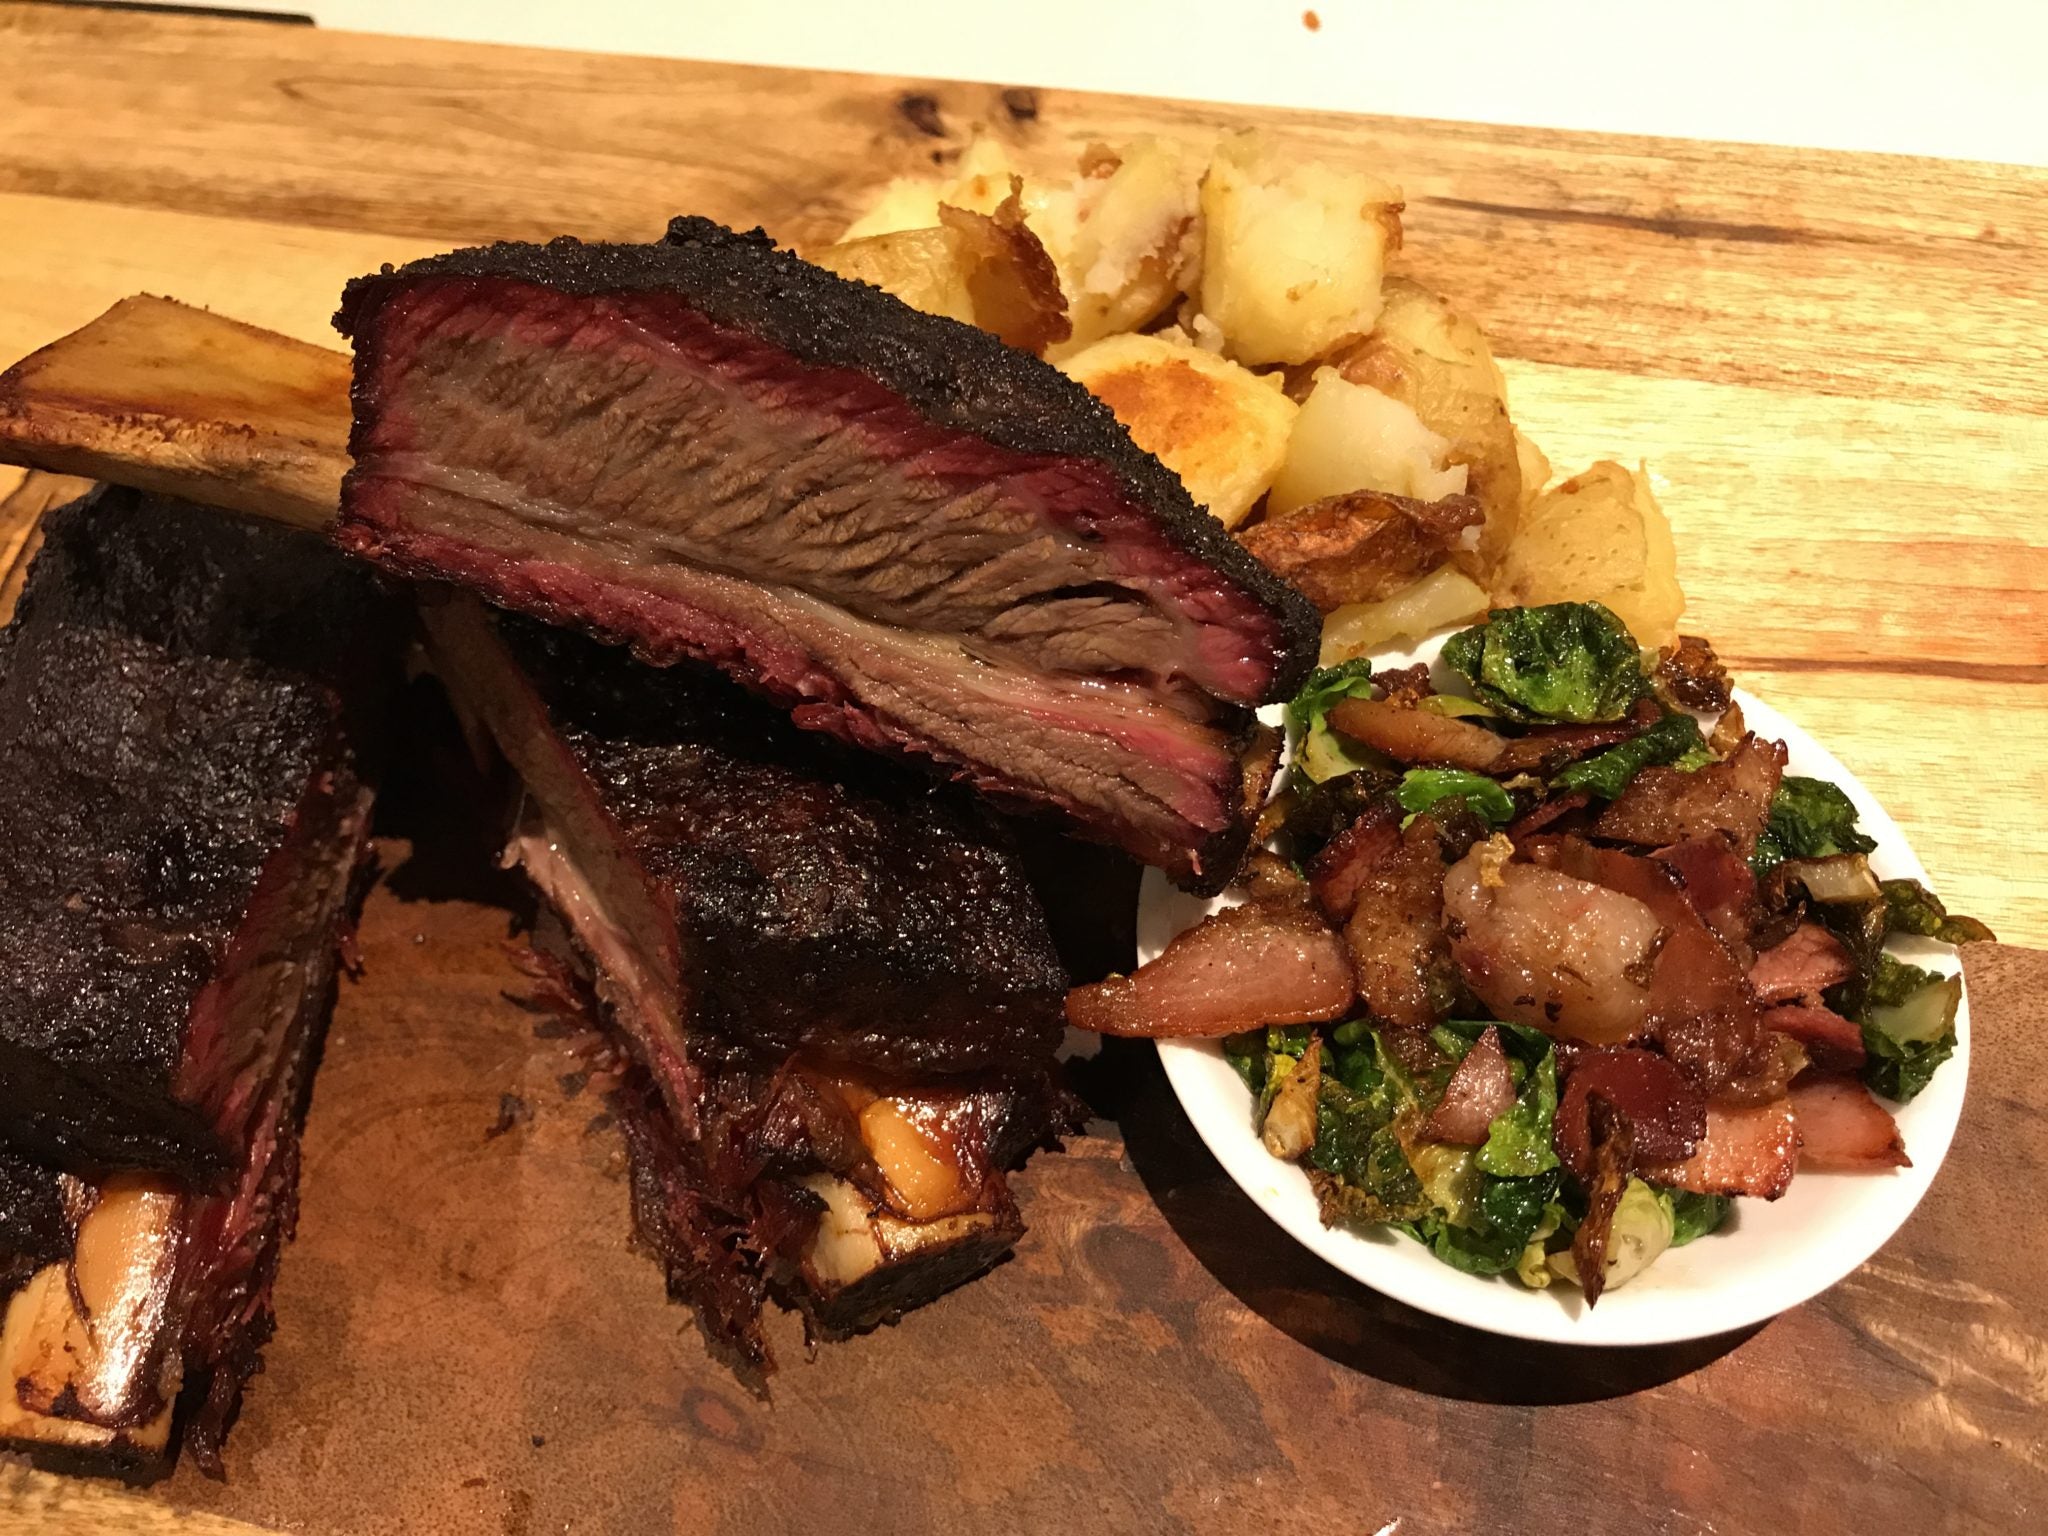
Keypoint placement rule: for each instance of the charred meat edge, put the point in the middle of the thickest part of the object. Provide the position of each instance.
(954, 376)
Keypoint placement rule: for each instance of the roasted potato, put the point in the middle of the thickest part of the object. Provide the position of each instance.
(1126, 241)
(1122, 232)
(1444, 597)
(1435, 361)
(984, 269)
(1292, 251)
(1535, 467)
(1361, 546)
(979, 183)
(1221, 428)
(1599, 536)
(919, 266)
(1349, 437)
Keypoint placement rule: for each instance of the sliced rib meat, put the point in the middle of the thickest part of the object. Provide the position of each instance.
(906, 533)
(190, 723)
(752, 887)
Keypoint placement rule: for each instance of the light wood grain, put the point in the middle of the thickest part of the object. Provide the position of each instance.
(1835, 367)
(1833, 364)
(1798, 269)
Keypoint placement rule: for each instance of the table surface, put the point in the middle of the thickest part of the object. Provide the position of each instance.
(1834, 366)
(1957, 78)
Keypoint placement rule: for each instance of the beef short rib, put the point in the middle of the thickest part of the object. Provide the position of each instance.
(911, 536)
(839, 996)
(190, 715)
(772, 891)
(33, 1226)
(183, 713)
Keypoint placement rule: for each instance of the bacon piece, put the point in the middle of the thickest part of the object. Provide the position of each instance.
(1548, 811)
(1843, 1129)
(1719, 886)
(1732, 798)
(1336, 873)
(1266, 962)
(1479, 1092)
(1552, 746)
(1399, 953)
(1802, 967)
(1571, 957)
(1833, 1043)
(1417, 735)
(1699, 1005)
(1663, 1108)
(1750, 1149)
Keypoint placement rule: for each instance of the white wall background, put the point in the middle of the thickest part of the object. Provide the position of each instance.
(1957, 78)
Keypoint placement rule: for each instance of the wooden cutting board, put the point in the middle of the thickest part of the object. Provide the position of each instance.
(1834, 365)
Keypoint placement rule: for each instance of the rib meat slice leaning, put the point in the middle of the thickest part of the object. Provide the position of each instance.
(909, 535)
(838, 995)
(189, 713)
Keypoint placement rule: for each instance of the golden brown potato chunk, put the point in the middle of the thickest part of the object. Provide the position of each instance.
(1445, 597)
(1362, 546)
(1435, 360)
(1352, 438)
(1292, 251)
(1126, 237)
(1221, 428)
(987, 270)
(1600, 537)
(979, 183)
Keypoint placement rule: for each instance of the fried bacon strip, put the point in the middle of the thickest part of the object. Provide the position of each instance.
(1842, 1128)
(1265, 962)
(1480, 1091)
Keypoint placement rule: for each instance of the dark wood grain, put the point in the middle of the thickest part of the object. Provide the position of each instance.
(468, 1343)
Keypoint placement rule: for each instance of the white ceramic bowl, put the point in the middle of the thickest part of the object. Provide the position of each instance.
(1768, 1256)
